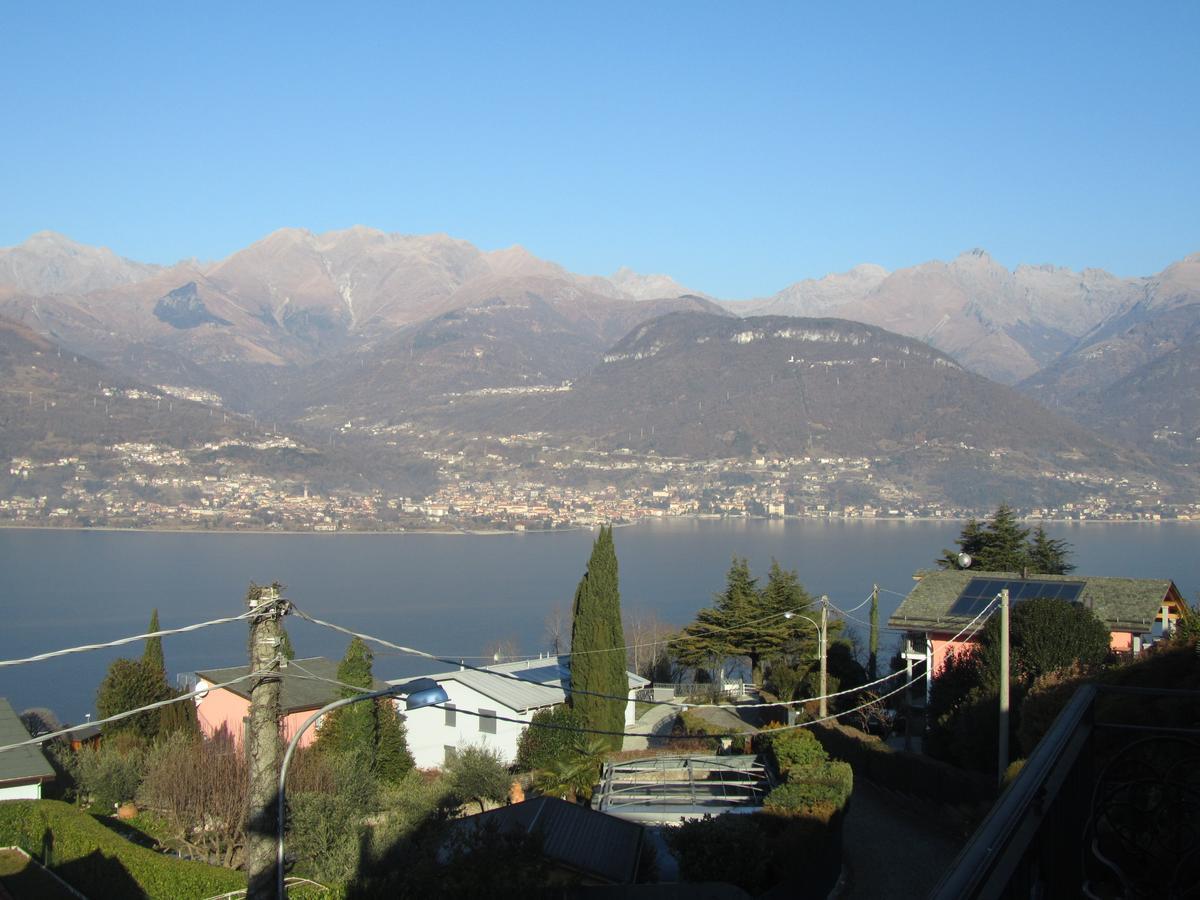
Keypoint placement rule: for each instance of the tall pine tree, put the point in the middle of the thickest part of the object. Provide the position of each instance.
(597, 643)
(1047, 555)
(745, 621)
(1002, 545)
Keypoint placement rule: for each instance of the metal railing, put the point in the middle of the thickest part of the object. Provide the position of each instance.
(1101, 808)
(660, 691)
(670, 787)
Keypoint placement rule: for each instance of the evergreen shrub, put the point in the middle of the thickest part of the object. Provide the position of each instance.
(818, 790)
(791, 748)
(110, 774)
(548, 739)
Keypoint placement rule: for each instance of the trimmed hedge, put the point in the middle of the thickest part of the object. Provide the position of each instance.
(817, 790)
(793, 748)
(101, 864)
(907, 773)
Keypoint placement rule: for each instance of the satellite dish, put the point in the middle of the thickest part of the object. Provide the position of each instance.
(964, 560)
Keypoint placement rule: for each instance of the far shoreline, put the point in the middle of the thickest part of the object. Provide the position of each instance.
(501, 532)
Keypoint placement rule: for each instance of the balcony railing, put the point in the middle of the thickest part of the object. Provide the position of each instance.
(1107, 805)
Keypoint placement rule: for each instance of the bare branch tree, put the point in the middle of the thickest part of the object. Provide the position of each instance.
(646, 637)
(199, 785)
(556, 632)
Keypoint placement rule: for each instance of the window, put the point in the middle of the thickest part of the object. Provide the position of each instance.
(451, 716)
(449, 754)
(487, 721)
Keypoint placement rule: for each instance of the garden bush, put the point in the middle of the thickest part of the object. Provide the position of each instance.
(1046, 698)
(820, 790)
(478, 773)
(726, 848)
(100, 863)
(110, 774)
(908, 773)
(549, 738)
(792, 747)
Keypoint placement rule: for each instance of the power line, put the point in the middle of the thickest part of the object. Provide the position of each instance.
(43, 738)
(624, 699)
(128, 640)
(860, 606)
(672, 737)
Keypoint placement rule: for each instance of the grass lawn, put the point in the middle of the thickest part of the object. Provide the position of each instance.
(22, 877)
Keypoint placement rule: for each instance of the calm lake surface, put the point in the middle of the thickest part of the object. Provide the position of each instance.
(450, 595)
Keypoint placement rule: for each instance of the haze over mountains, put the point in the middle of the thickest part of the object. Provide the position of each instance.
(361, 325)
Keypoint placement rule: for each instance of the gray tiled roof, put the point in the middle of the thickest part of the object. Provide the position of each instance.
(1123, 604)
(590, 842)
(295, 693)
(24, 764)
(542, 682)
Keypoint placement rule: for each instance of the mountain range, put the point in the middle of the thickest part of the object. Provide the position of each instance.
(321, 329)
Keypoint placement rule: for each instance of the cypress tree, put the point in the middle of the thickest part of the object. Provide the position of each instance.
(597, 639)
(371, 732)
(152, 656)
(353, 729)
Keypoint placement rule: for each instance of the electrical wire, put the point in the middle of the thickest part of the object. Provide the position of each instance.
(860, 606)
(424, 655)
(43, 738)
(412, 652)
(679, 737)
(129, 640)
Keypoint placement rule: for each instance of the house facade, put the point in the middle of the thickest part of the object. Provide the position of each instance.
(480, 700)
(24, 770)
(1136, 611)
(228, 709)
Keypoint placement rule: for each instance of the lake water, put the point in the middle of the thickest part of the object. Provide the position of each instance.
(450, 595)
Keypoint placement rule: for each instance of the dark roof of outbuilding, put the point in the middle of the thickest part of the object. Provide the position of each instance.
(295, 694)
(23, 764)
(1123, 604)
(590, 842)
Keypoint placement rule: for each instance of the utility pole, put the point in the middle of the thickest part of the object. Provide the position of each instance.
(1003, 755)
(262, 741)
(873, 659)
(824, 653)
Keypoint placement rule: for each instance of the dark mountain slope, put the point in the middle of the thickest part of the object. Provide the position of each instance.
(703, 386)
(511, 335)
(55, 402)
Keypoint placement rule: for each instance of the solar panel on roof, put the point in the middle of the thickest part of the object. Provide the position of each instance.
(979, 592)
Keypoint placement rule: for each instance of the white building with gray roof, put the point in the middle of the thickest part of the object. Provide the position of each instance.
(480, 700)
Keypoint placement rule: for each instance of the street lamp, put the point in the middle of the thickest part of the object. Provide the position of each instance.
(822, 633)
(420, 692)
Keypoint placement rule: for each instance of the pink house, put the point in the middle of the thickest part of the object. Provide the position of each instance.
(229, 708)
(1136, 611)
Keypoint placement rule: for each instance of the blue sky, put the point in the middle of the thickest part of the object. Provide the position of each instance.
(738, 147)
